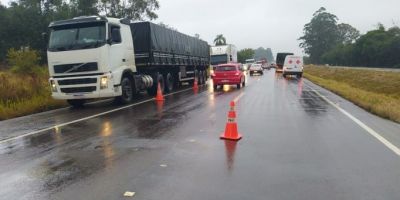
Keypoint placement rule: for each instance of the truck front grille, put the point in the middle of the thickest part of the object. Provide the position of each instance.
(77, 81)
(78, 89)
(76, 67)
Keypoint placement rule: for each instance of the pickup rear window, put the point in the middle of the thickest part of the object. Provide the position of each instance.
(226, 68)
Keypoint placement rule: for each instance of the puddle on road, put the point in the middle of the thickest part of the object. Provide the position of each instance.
(312, 103)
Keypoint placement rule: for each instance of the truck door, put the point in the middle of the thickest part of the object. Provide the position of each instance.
(116, 48)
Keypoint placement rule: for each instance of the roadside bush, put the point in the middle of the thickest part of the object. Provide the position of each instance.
(24, 61)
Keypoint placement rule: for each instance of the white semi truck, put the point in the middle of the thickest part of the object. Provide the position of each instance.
(223, 54)
(99, 57)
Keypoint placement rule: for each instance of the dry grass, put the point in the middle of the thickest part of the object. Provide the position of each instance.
(376, 91)
(23, 94)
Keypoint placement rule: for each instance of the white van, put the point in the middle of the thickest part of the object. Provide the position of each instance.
(293, 66)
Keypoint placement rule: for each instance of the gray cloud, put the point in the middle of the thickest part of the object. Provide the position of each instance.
(268, 23)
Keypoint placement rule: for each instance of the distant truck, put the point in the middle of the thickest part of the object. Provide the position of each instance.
(223, 54)
(280, 60)
(248, 63)
(99, 57)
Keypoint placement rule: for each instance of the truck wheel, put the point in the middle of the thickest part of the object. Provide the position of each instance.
(199, 80)
(76, 103)
(169, 82)
(158, 78)
(299, 75)
(127, 91)
(205, 77)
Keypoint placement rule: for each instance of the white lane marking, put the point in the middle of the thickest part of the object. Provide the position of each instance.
(238, 97)
(379, 137)
(85, 118)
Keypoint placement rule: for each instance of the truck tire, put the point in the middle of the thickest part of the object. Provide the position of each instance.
(127, 91)
(76, 103)
(205, 77)
(201, 77)
(158, 78)
(169, 82)
(300, 75)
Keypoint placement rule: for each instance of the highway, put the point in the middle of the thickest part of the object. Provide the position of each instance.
(300, 142)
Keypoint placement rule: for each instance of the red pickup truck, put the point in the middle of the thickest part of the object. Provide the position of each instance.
(228, 74)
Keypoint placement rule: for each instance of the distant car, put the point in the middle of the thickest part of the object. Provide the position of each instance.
(228, 74)
(265, 66)
(256, 68)
(272, 65)
(293, 66)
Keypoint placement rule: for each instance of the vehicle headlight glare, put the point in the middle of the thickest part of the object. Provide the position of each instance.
(104, 82)
(53, 86)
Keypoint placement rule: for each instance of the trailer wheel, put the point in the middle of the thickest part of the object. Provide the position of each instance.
(127, 91)
(158, 79)
(169, 82)
(76, 103)
(205, 77)
(200, 77)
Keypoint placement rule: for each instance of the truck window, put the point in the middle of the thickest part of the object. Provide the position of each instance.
(79, 36)
(115, 34)
(219, 59)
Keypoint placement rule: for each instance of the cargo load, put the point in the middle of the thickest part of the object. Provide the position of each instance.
(157, 45)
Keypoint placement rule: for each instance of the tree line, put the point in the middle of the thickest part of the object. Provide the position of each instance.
(23, 22)
(328, 42)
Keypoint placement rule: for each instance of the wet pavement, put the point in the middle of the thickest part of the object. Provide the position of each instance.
(295, 146)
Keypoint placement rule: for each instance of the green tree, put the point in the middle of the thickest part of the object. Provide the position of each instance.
(133, 9)
(23, 22)
(377, 48)
(347, 33)
(220, 40)
(262, 53)
(320, 35)
(245, 54)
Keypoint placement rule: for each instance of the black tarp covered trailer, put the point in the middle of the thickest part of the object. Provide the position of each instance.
(159, 46)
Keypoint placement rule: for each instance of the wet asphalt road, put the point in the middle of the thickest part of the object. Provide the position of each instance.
(295, 146)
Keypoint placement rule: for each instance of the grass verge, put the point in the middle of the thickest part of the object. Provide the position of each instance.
(375, 91)
(25, 94)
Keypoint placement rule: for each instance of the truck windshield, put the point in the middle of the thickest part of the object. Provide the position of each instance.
(77, 36)
(219, 59)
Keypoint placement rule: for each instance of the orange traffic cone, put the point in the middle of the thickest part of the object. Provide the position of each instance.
(231, 129)
(159, 96)
(232, 112)
(195, 84)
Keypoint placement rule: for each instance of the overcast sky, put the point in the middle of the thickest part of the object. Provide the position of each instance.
(269, 23)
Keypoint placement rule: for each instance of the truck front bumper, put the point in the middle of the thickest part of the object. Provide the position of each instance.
(84, 87)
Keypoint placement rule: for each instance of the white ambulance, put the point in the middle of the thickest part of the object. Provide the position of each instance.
(293, 66)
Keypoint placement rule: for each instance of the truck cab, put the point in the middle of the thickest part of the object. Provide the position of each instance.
(223, 54)
(86, 56)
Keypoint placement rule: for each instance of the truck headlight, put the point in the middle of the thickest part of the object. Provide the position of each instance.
(104, 82)
(53, 86)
